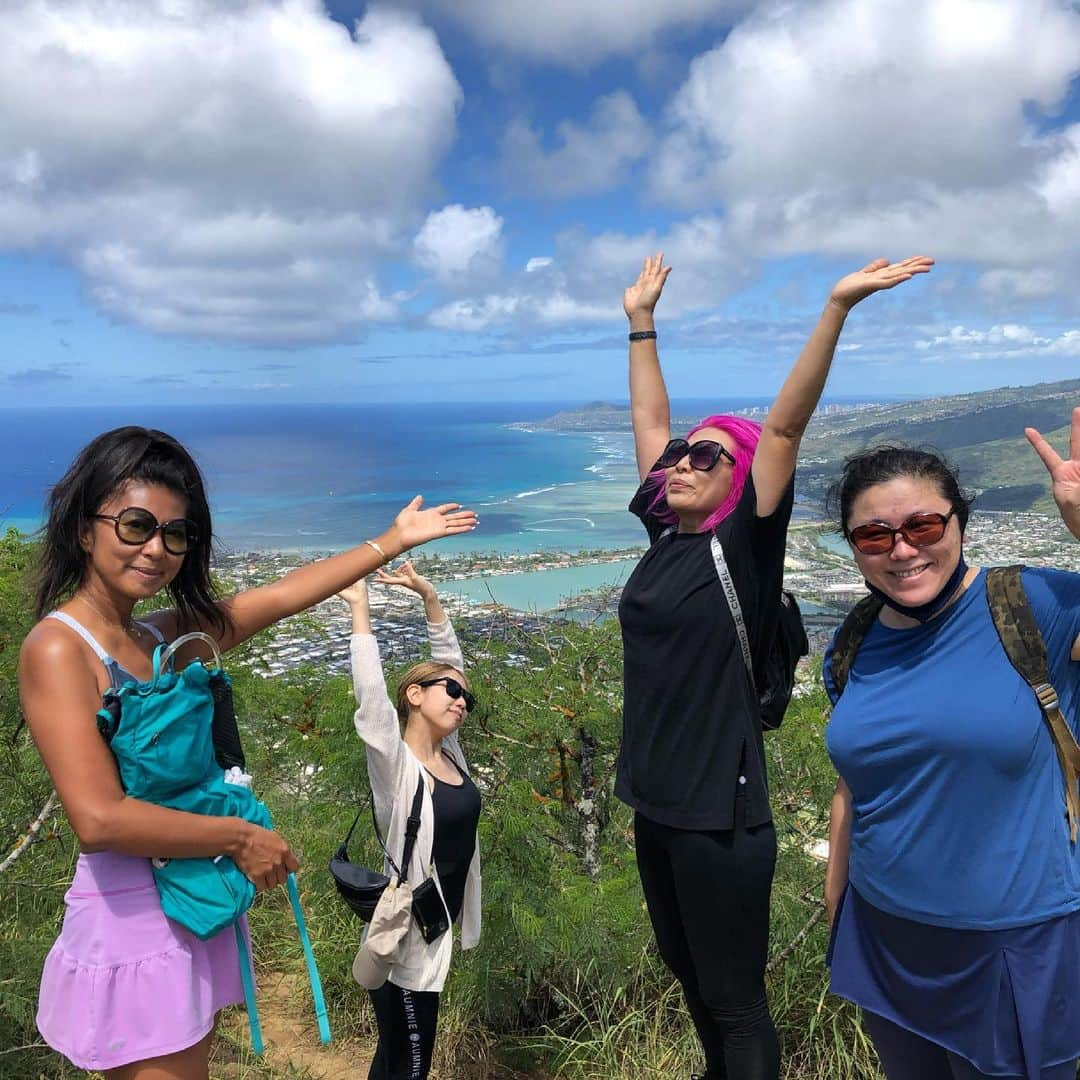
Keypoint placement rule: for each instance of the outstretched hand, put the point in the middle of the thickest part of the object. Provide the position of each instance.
(407, 577)
(641, 297)
(875, 276)
(1064, 472)
(415, 526)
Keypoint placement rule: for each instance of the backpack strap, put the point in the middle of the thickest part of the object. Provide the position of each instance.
(248, 982)
(849, 637)
(732, 598)
(309, 959)
(412, 826)
(1026, 650)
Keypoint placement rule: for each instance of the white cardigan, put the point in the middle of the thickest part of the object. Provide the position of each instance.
(394, 772)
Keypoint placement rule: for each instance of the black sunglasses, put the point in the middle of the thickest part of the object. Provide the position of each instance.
(703, 455)
(136, 526)
(918, 530)
(454, 690)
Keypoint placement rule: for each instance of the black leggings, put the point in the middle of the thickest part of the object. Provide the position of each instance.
(708, 899)
(907, 1056)
(407, 1021)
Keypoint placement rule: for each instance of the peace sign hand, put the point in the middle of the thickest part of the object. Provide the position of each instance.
(1064, 472)
(876, 276)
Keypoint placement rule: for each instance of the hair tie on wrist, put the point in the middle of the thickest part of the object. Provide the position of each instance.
(642, 335)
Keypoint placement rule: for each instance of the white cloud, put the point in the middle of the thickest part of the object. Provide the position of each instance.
(459, 245)
(220, 167)
(587, 159)
(1006, 339)
(474, 314)
(1067, 344)
(1006, 334)
(579, 33)
(838, 126)
(583, 283)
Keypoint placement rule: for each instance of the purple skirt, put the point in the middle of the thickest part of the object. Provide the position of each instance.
(1008, 1001)
(123, 983)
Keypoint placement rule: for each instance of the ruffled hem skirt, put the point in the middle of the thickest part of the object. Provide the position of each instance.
(123, 983)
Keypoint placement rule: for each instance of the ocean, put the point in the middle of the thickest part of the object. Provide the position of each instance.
(323, 477)
(320, 478)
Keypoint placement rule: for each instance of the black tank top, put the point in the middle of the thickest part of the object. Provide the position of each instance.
(457, 814)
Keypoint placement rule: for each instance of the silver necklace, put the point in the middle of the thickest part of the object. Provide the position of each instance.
(131, 627)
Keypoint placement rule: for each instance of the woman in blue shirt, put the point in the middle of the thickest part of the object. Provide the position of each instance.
(953, 884)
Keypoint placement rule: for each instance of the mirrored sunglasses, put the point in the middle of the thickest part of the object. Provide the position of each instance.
(135, 526)
(919, 530)
(454, 690)
(704, 454)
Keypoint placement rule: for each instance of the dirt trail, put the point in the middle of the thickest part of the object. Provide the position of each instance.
(292, 1038)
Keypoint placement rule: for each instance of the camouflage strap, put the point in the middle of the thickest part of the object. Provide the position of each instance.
(1026, 650)
(850, 636)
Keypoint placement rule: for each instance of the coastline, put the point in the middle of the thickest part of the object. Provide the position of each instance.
(482, 591)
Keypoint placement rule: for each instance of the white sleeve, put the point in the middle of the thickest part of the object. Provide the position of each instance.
(376, 723)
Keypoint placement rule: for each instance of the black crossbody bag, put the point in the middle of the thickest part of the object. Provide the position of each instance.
(361, 888)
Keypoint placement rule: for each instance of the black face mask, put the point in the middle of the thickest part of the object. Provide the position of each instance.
(925, 612)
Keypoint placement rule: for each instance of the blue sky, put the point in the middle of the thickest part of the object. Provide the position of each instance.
(278, 200)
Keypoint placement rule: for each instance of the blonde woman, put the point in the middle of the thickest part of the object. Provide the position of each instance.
(414, 737)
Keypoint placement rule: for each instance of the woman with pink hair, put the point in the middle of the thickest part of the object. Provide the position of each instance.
(692, 757)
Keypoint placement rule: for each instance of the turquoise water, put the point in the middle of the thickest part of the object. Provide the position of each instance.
(540, 590)
(835, 543)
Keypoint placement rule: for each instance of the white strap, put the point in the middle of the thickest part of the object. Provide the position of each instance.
(196, 635)
(733, 602)
(67, 620)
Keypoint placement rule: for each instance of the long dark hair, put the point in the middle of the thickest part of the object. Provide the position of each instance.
(880, 464)
(102, 467)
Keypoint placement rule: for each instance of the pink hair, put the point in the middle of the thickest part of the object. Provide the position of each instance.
(744, 439)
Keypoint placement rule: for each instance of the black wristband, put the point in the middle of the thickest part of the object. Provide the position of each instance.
(642, 335)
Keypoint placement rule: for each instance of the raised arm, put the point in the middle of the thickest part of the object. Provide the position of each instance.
(375, 719)
(444, 643)
(60, 695)
(778, 448)
(650, 411)
(254, 610)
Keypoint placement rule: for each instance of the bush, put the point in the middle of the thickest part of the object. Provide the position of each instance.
(566, 977)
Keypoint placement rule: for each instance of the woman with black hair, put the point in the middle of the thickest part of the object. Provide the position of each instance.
(953, 883)
(124, 990)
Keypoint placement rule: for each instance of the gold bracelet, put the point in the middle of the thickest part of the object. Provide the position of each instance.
(373, 544)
